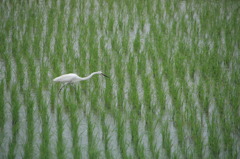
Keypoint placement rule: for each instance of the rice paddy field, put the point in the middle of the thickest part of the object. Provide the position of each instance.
(174, 85)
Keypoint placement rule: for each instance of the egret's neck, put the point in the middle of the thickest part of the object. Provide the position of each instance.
(88, 77)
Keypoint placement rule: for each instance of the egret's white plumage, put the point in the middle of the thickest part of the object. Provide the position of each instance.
(72, 78)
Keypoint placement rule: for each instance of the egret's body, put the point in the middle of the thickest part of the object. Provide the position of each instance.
(72, 78)
(68, 78)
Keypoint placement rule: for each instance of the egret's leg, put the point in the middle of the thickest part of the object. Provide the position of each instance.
(62, 87)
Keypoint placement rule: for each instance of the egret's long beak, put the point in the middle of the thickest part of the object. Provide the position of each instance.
(105, 75)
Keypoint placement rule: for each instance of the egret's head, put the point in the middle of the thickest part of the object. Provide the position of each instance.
(100, 72)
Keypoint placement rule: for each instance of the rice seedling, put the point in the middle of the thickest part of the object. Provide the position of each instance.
(52, 99)
(108, 95)
(8, 68)
(15, 106)
(105, 137)
(150, 126)
(45, 134)
(213, 140)
(167, 144)
(28, 149)
(120, 136)
(2, 104)
(60, 128)
(74, 130)
(138, 147)
(92, 150)
(120, 81)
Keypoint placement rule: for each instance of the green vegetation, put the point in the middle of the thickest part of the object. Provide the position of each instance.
(173, 66)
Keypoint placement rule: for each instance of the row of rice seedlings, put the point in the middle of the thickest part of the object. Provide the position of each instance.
(15, 107)
(58, 56)
(28, 147)
(231, 62)
(52, 14)
(196, 132)
(224, 113)
(120, 83)
(141, 67)
(121, 134)
(44, 69)
(92, 148)
(14, 41)
(108, 95)
(69, 66)
(45, 151)
(105, 137)
(29, 35)
(74, 128)
(25, 42)
(3, 37)
(232, 90)
(59, 44)
(150, 127)
(161, 97)
(2, 105)
(31, 69)
(213, 138)
(181, 117)
(8, 69)
(73, 19)
(82, 61)
(229, 123)
(5, 14)
(52, 47)
(71, 38)
(37, 31)
(67, 97)
(19, 71)
(53, 94)
(134, 99)
(60, 128)
(204, 100)
(228, 140)
(156, 55)
(234, 101)
(150, 117)
(190, 120)
(116, 45)
(177, 113)
(233, 123)
(136, 140)
(166, 140)
(94, 95)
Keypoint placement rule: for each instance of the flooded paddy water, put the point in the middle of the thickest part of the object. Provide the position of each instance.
(173, 90)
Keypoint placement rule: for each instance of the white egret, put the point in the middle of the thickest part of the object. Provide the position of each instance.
(72, 78)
